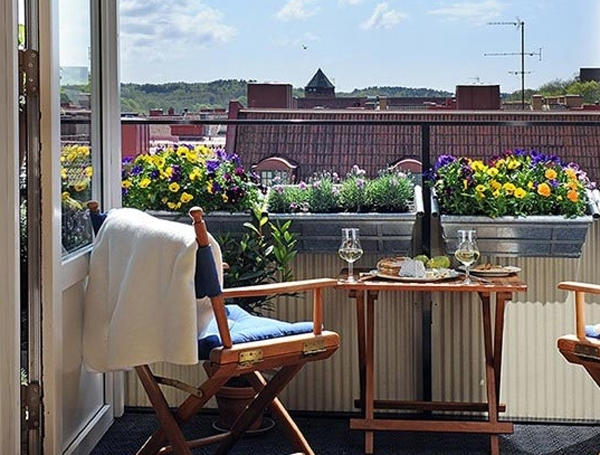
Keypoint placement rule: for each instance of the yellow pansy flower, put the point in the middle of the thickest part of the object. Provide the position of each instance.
(573, 196)
(478, 166)
(520, 193)
(89, 171)
(174, 187)
(145, 182)
(492, 172)
(513, 164)
(544, 189)
(126, 184)
(509, 187)
(191, 156)
(182, 150)
(495, 185)
(550, 174)
(186, 197)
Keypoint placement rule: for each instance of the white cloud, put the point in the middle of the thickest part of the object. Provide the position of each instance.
(349, 2)
(383, 18)
(475, 12)
(297, 10)
(155, 25)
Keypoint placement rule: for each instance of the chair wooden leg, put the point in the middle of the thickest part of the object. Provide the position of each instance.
(260, 402)
(282, 417)
(187, 410)
(594, 373)
(163, 412)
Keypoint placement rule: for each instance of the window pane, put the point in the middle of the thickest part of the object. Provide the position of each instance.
(76, 121)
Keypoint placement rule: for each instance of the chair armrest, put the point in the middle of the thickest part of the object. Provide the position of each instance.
(287, 287)
(579, 287)
(580, 290)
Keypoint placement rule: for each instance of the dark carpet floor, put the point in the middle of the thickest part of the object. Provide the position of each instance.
(332, 436)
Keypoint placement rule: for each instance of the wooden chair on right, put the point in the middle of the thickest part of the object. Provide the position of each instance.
(582, 347)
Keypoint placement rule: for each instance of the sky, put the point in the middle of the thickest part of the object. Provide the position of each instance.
(359, 43)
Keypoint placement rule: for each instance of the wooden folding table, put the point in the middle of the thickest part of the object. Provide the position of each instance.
(365, 294)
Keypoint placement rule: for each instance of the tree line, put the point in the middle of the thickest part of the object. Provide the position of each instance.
(141, 98)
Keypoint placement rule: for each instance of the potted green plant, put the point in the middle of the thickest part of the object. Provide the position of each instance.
(262, 254)
(522, 203)
(385, 208)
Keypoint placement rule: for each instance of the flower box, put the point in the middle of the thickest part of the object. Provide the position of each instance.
(379, 232)
(531, 236)
(521, 203)
(387, 233)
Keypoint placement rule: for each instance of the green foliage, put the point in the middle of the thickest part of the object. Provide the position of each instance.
(322, 196)
(326, 193)
(556, 87)
(516, 183)
(263, 254)
(140, 98)
(389, 192)
(352, 196)
(589, 90)
(396, 92)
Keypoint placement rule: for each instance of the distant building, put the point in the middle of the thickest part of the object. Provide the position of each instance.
(589, 74)
(319, 86)
(269, 95)
(74, 75)
(478, 97)
(319, 93)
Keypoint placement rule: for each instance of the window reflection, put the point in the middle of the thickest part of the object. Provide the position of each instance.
(76, 122)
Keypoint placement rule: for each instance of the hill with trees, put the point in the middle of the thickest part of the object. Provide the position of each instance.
(140, 98)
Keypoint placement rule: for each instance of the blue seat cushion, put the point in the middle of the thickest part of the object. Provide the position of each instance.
(245, 327)
(592, 331)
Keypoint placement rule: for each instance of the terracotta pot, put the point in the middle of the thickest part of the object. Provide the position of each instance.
(231, 402)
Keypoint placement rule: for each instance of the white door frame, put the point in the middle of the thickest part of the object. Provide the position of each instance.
(57, 274)
(9, 233)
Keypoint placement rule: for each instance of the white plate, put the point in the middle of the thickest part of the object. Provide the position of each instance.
(440, 274)
(498, 271)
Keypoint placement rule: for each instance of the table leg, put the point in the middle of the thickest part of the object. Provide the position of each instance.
(501, 299)
(490, 373)
(360, 321)
(369, 370)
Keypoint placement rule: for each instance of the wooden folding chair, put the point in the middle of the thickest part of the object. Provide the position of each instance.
(582, 347)
(230, 354)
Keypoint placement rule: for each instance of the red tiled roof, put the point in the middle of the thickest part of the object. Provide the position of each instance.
(374, 147)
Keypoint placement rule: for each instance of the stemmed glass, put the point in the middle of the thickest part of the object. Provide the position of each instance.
(350, 250)
(466, 252)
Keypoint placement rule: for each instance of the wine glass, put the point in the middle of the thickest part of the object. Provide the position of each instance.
(466, 252)
(350, 250)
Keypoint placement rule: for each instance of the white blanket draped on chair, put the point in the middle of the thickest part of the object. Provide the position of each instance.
(140, 304)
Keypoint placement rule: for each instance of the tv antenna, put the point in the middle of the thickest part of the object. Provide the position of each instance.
(520, 25)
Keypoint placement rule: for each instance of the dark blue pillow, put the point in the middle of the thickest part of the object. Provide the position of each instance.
(246, 327)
